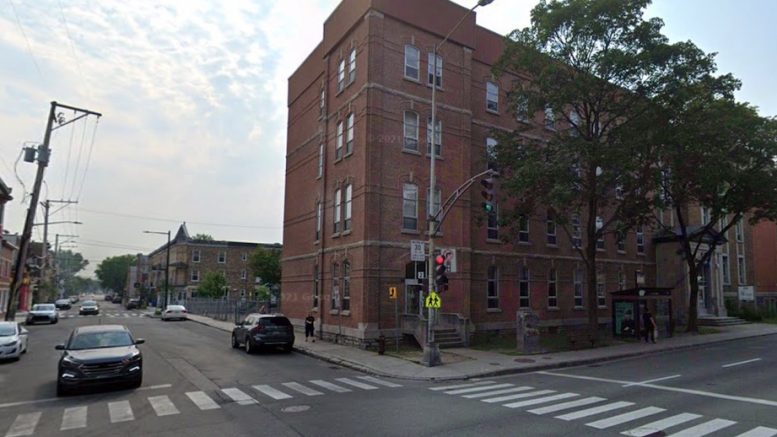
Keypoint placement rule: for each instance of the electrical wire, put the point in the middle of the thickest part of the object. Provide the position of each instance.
(72, 43)
(67, 162)
(16, 173)
(24, 34)
(140, 217)
(78, 159)
(88, 158)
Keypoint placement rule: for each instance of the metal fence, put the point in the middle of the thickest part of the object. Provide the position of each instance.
(229, 310)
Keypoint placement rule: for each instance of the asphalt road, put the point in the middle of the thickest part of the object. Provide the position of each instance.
(196, 384)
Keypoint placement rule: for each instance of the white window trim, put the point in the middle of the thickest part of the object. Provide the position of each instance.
(578, 282)
(320, 160)
(352, 66)
(199, 256)
(341, 75)
(492, 97)
(553, 280)
(406, 190)
(417, 65)
(438, 73)
(339, 141)
(550, 118)
(408, 134)
(194, 276)
(741, 270)
(337, 211)
(523, 278)
(218, 257)
(348, 207)
(350, 120)
(726, 268)
(437, 137)
(495, 281)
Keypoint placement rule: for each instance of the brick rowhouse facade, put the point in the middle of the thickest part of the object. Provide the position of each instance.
(357, 182)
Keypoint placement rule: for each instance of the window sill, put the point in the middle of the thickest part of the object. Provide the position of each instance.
(553, 308)
(335, 235)
(436, 157)
(494, 112)
(314, 310)
(641, 254)
(550, 129)
(579, 308)
(411, 152)
(524, 243)
(319, 176)
(552, 245)
(523, 121)
(601, 250)
(348, 154)
(493, 241)
(340, 91)
(493, 310)
(333, 312)
(345, 313)
(411, 232)
(439, 87)
(622, 252)
(348, 232)
(602, 307)
(338, 160)
(412, 79)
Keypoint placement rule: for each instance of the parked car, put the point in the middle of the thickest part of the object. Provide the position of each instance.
(109, 297)
(259, 330)
(174, 312)
(13, 340)
(89, 307)
(42, 312)
(99, 355)
(133, 304)
(116, 299)
(74, 298)
(63, 304)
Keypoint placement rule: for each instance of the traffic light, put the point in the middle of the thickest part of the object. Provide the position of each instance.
(440, 279)
(489, 204)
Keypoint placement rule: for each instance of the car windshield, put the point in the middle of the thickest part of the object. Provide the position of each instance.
(275, 321)
(43, 307)
(97, 340)
(7, 330)
(89, 303)
(175, 307)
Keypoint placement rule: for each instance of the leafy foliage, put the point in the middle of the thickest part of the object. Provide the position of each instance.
(112, 272)
(202, 237)
(213, 284)
(266, 264)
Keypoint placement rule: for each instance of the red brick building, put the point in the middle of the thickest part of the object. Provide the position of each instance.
(765, 263)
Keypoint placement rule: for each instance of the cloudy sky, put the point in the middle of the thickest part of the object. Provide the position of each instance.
(194, 101)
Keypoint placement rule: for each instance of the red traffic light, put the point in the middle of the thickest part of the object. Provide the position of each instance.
(439, 260)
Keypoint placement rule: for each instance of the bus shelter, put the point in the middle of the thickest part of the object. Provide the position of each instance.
(629, 305)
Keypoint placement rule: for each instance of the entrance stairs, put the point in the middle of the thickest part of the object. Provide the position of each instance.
(447, 338)
(721, 321)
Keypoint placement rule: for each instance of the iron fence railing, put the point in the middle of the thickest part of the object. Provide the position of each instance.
(229, 310)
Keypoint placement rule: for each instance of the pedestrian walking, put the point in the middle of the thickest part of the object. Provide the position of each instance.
(309, 320)
(649, 325)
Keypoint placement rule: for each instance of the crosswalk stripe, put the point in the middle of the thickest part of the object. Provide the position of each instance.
(302, 389)
(474, 389)
(567, 405)
(202, 401)
(379, 381)
(163, 406)
(660, 425)
(518, 396)
(120, 411)
(238, 396)
(451, 387)
(271, 392)
(24, 424)
(73, 418)
(625, 417)
(329, 386)
(595, 410)
(126, 315)
(761, 431)
(357, 384)
(542, 400)
(497, 392)
(705, 428)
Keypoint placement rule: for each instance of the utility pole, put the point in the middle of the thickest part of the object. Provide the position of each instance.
(46, 206)
(43, 154)
(56, 258)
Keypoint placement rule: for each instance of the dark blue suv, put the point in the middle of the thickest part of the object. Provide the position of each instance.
(259, 330)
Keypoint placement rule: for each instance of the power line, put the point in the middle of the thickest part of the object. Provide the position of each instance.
(67, 161)
(78, 159)
(88, 159)
(29, 46)
(140, 217)
(72, 43)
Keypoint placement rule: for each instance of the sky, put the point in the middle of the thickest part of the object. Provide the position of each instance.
(193, 96)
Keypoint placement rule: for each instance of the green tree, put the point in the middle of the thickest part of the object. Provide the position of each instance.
(593, 67)
(202, 237)
(112, 272)
(266, 264)
(213, 284)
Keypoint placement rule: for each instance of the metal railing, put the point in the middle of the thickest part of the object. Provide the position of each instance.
(229, 310)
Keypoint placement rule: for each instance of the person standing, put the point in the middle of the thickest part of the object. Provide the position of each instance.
(309, 320)
(649, 325)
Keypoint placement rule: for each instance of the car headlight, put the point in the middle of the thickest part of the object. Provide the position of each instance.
(13, 343)
(71, 361)
(135, 357)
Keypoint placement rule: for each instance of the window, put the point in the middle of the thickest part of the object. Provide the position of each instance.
(318, 221)
(493, 287)
(491, 153)
(352, 66)
(705, 215)
(725, 268)
(222, 257)
(492, 97)
(346, 304)
(574, 119)
(640, 239)
(577, 235)
(550, 118)
(320, 159)
(552, 291)
(337, 211)
(522, 109)
(739, 232)
(578, 285)
(196, 256)
(601, 297)
(523, 288)
(341, 75)
(348, 203)
(243, 274)
(620, 239)
(435, 77)
(619, 192)
(244, 257)
(493, 224)
(411, 131)
(435, 206)
(741, 273)
(600, 242)
(523, 229)
(349, 134)
(412, 62)
(322, 102)
(316, 284)
(335, 287)
(410, 207)
(437, 137)
(550, 224)
(622, 280)
(339, 141)
(195, 276)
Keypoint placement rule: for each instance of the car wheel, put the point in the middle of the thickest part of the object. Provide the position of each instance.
(235, 344)
(137, 383)
(249, 349)
(54, 322)
(288, 347)
(62, 390)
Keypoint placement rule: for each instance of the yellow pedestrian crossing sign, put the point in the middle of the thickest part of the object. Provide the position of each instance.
(433, 300)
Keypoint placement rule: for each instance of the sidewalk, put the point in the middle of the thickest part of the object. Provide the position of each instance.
(473, 363)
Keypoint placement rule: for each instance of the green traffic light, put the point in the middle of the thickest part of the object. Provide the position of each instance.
(488, 207)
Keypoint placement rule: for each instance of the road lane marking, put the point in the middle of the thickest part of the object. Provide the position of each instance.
(155, 387)
(674, 389)
(653, 380)
(73, 418)
(329, 386)
(120, 411)
(567, 405)
(302, 389)
(498, 392)
(24, 424)
(379, 381)
(542, 400)
(202, 401)
(239, 396)
(357, 384)
(704, 429)
(660, 425)
(741, 362)
(625, 417)
(163, 406)
(595, 410)
(518, 396)
(761, 431)
(451, 387)
(474, 389)
(271, 392)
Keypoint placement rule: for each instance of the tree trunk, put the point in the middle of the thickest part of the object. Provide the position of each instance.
(693, 311)
(590, 249)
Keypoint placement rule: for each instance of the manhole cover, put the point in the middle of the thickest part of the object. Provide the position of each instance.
(296, 409)
(524, 360)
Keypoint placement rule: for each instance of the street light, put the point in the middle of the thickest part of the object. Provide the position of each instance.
(431, 350)
(167, 265)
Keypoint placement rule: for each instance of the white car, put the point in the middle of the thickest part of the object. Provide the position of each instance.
(13, 340)
(174, 312)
